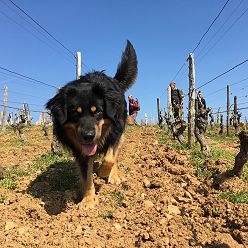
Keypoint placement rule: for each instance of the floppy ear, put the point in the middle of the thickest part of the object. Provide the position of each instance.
(111, 99)
(112, 109)
(127, 69)
(58, 107)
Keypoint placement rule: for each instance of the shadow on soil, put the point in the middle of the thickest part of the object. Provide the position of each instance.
(56, 186)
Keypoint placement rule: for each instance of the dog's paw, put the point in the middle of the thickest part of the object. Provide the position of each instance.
(114, 180)
(86, 203)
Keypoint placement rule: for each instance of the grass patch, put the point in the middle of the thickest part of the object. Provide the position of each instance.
(106, 215)
(55, 171)
(163, 138)
(19, 143)
(9, 176)
(62, 179)
(222, 137)
(217, 153)
(197, 159)
(125, 186)
(18, 172)
(240, 197)
(8, 182)
(49, 158)
(117, 196)
(245, 172)
(180, 147)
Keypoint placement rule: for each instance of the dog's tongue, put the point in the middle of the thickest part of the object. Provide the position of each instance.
(89, 149)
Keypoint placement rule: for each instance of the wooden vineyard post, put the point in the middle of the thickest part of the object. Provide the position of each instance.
(235, 112)
(228, 110)
(160, 120)
(27, 114)
(78, 65)
(218, 116)
(221, 124)
(169, 110)
(5, 97)
(191, 108)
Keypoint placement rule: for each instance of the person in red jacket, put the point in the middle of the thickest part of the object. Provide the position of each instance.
(133, 107)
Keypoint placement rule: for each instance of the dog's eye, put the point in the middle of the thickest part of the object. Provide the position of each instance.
(79, 110)
(93, 109)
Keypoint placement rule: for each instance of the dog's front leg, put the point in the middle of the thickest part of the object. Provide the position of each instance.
(109, 165)
(87, 189)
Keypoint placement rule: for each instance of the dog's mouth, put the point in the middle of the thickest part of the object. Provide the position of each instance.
(89, 149)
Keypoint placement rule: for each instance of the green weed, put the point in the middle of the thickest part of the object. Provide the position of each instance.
(106, 215)
(8, 182)
(180, 147)
(49, 158)
(240, 197)
(245, 172)
(19, 143)
(128, 169)
(63, 179)
(117, 196)
(125, 186)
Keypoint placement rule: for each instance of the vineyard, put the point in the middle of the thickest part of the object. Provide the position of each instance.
(168, 196)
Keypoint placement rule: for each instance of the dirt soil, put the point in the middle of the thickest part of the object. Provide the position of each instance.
(160, 202)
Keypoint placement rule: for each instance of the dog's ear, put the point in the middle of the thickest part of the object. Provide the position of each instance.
(58, 107)
(111, 100)
(127, 69)
(113, 111)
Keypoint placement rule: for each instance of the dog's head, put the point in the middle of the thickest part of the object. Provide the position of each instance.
(86, 110)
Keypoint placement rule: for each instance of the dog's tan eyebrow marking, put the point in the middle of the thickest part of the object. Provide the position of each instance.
(79, 109)
(93, 109)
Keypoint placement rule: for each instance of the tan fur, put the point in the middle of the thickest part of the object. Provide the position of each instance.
(93, 109)
(109, 165)
(79, 109)
(71, 133)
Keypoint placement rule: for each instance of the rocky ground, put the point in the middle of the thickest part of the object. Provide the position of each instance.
(160, 202)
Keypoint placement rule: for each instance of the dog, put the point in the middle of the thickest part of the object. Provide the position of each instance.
(89, 117)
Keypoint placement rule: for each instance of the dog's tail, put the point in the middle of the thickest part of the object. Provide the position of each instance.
(127, 69)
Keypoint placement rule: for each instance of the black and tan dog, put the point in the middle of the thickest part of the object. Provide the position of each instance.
(89, 116)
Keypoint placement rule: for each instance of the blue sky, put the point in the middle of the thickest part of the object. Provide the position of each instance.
(162, 32)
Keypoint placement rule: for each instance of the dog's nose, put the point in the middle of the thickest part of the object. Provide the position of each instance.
(89, 135)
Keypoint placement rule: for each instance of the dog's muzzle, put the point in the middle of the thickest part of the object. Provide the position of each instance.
(88, 147)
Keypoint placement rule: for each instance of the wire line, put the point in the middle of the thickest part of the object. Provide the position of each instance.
(37, 111)
(209, 26)
(32, 79)
(222, 74)
(25, 13)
